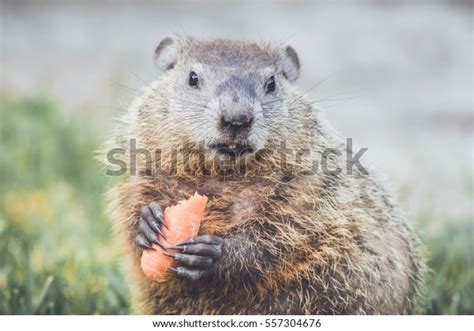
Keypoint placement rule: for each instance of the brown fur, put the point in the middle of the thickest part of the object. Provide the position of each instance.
(294, 244)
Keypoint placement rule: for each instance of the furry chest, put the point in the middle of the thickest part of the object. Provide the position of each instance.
(231, 203)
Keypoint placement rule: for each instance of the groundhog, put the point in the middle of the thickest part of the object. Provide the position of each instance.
(289, 227)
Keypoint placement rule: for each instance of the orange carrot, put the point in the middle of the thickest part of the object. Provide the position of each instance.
(183, 221)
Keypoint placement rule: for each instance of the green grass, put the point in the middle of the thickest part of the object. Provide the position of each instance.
(57, 252)
(450, 284)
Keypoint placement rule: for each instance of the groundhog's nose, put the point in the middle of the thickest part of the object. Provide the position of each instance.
(236, 123)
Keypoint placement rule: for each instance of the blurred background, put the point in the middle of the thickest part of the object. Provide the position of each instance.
(396, 76)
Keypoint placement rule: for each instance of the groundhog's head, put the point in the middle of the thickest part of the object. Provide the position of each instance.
(228, 96)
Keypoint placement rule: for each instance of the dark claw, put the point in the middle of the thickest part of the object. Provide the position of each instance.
(149, 218)
(157, 212)
(204, 239)
(149, 226)
(169, 254)
(196, 256)
(154, 224)
(142, 242)
(148, 234)
(173, 269)
(186, 242)
(156, 228)
(181, 248)
(190, 273)
(191, 260)
(213, 251)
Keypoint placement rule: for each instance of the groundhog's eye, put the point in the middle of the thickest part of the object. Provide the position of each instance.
(270, 85)
(193, 79)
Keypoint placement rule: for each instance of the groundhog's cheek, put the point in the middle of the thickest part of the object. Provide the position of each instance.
(258, 138)
(204, 133)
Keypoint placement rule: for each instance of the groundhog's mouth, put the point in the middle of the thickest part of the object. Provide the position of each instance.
(232, 149)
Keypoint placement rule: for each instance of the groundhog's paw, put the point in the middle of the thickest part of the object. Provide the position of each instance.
(149, 224)
(197, 256)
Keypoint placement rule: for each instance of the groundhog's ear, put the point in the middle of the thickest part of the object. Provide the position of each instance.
(290, 63)
(166, 54)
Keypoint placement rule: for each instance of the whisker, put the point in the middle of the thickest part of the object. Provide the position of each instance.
(130, 89)
(324, 80)
(188, 102)
(139, 78)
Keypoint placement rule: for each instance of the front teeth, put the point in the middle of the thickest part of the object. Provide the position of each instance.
(232, 146)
